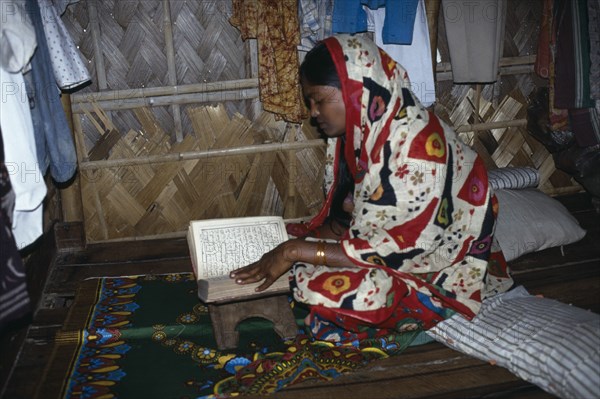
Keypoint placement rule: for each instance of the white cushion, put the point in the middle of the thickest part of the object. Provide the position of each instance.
(548, 343)
(529, 221)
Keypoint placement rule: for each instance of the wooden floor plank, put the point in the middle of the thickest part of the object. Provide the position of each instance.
(442, 382)
(32, 362)
(11, 343)
(132, 251)
(575, 284)
(420, 372)
(50, 317)
(66, 278)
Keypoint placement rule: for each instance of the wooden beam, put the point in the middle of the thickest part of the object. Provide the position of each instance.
(147, 92)
(503, 62)
(171, 69)
(70, 196)
(507, 66)
(214, 153)
(491, 125)
(98, 56)
(161, 101)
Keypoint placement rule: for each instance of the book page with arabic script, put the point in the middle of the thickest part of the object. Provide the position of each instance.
(223, 245)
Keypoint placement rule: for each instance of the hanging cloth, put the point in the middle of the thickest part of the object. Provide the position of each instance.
(349, 17)
(475, 33)
(432, 10)
(275, 26)
(69, 70)
(594, 32)
(315, 22)
(14, 299)
(18, 44)
(415, 57)
(21, 160)
(572, 85)
(54, 140)
(558, 118)
(543, 56)
(17, 38)
(572, 55)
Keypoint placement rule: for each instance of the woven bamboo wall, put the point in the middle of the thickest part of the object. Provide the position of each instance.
(228, 167)
(133, 45)
(173, 78)
(173, 85)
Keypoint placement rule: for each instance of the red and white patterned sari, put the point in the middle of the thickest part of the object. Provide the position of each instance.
(421, 230)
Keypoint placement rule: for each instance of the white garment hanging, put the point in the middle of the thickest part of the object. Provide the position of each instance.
(415, 58)
(475, 33)
(21, 160)
(69, 69)
(17, 37)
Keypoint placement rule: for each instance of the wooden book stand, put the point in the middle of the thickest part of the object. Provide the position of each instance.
(226, 316)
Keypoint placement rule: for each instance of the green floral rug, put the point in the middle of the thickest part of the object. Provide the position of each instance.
(150, 337)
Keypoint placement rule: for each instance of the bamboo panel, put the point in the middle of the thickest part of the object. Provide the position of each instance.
(249, 201)
(134, 179)
(311, 169)
(502, 140)
(138, 200)
(138, 44)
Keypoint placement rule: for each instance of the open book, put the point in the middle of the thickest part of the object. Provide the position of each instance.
(219, 246)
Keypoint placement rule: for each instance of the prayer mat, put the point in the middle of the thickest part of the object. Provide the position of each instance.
(151, 337)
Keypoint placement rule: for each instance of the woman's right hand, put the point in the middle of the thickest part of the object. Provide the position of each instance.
(269, 268)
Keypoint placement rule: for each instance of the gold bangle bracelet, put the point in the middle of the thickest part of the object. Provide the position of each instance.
(320, 258)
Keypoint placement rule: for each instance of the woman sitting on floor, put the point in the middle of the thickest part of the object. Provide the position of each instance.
(407, 202)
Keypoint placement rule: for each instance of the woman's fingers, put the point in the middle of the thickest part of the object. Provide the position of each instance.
(242, 270)
(268, 268)
(248, 274)
(265, 284)
(254, 276)
(254, 279)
